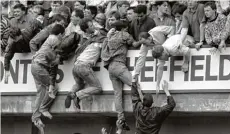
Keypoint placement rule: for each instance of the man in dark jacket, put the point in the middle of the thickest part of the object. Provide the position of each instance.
(149, 119)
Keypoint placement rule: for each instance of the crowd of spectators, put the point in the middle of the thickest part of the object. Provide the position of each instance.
(53, 31)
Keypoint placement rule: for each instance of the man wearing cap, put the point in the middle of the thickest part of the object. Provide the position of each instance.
(149, 119)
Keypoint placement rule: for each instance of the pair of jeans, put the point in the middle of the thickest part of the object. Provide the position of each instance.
(43, 102)
(84, 74)
(119, 75)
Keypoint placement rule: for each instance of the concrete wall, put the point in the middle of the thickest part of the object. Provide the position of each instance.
(196, 102)
(92, 125)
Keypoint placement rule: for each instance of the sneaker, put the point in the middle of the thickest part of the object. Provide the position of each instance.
(39, 124)
(123, 125)
(76, 101)
(68, 100)
(47, 114)
(52, 95)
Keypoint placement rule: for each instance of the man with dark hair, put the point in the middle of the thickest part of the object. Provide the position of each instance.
(22, 28)
(76, 16)
(162, 17)
(214, 26)
(142, 24)
(114, 52)
(155, 36)
(112, 18)
(87, 56)
(149, 119)
(122, 7)
(177, 11)
(80, 5)
(37, 41)
(44, 70)
(131, 15)
(90, 12)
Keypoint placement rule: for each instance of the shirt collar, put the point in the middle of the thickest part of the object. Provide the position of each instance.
(208, 20)
(23, 19)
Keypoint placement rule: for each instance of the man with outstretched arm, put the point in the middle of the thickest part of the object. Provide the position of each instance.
(149, 119)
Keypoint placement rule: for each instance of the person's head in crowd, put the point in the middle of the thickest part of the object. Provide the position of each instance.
(57, 29)
(131, 15)
(119, 25)
(58, 19)
(147, 100)
(113, 17)
(178, 11)
(39, 2)
(210, 10)
(142, 2)
(19, 11)
(145, 38)
(87, 26)
(122, 7)
(162, 6)
(64, 11)
(76, 16)
(38, 10)
(100, 19)
(55, 5)
(90, 12)
(192, 4)
(141, 11)
(80, 4)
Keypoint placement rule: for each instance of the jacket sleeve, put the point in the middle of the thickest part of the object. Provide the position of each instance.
(9, 53)
(53, 74)
(37, 41)
(136, 101)
(167, 109)
(141, 60)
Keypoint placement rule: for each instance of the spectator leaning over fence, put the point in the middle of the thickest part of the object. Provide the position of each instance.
(87, 56)
(225, 37)
(22, 28)
(148, 118)
(192, 23)
(172, 47)
(44, 70)
(114, 52)
(155, 36)
(142, 24)
(214, 26)
(162, 18)
(37, 41)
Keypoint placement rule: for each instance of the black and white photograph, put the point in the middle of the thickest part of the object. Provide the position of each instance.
(115, 67)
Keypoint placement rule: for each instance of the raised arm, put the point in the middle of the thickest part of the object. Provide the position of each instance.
(168, 108)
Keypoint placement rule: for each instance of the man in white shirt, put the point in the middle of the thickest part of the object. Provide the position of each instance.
(172, 47)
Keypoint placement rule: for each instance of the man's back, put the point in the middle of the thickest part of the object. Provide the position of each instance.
(150, 119)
